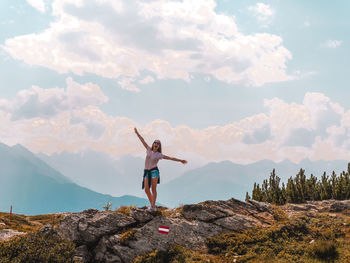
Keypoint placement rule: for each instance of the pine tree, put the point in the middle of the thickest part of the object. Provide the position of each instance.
(265, 192)
(300, 183)
(284, 194)
(325, 187)
(346, 186)
(291, 194)
(247, 197)
(275, 191)
(257, 193)
(301, 189)
(312, 191)
(333, 185)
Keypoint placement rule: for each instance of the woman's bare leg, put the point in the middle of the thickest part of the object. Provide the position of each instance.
(154, 191)
(147, 191)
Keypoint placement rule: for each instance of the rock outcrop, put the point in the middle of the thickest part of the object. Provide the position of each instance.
(120, 236)
(103, 236)
(7, 234)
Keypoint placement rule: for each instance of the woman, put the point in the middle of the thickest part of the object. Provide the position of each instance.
(151, 172)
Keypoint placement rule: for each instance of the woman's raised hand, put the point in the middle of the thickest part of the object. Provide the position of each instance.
(184, 161)
(141, 139)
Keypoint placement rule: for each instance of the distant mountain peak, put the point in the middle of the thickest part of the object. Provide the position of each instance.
(19, 146)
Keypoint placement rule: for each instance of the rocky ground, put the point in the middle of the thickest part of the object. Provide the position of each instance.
(122, 235)
(128, 232)
(18, 225)
(7, 234)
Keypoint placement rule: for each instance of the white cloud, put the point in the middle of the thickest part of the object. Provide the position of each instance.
(46, 103)
(147, 80)
(70, 119)
(263, 12)
(37, 4)
(332, 43)
(170, 39)
(127, 84)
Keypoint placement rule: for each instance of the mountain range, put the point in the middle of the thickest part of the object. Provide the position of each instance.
(32, 186)
(102, 173)
(213, 181)
(69, 182)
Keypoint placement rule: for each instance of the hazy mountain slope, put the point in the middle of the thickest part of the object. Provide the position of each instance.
(33, 187)
(89, 169)
(26, 160)
(101, 173)
(226, 179)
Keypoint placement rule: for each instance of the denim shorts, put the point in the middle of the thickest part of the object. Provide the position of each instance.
(155, 173)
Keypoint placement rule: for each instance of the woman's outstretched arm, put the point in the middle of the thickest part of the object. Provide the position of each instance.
(141, 139)
(174, 159)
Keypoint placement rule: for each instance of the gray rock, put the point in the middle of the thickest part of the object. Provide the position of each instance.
(105, 252)
(141, 215)
(7, 234)
(116, 237)
(311, 207)
(237, 222)
(82, 254)
(101, 249)
(202, 212)
(191, 235)
(338, 206)
(47, 230)
(89, 226)
(294, 207)
(260, 206)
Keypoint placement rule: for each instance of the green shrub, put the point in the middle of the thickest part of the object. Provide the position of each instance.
(296, 230)
(176, 254)
(153, 257)
(278, 213)
(37, 248)
(324, 249)
(221, 243)
(108, 206)
(280, 241)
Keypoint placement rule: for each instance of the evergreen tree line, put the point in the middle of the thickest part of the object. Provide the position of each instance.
(301, 189)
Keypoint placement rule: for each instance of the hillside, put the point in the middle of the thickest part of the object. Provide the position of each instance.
(33, 187)
(212, 231)
(223, 180)
(180, 184)
(99, 171)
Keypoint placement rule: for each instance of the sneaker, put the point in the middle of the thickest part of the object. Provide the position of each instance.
(151, 208)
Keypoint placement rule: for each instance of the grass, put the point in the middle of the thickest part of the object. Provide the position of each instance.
(171, 213)
(177, 254)
(28, 224)
(127, 236)
(126, 210)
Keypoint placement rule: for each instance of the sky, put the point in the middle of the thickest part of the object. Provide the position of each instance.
(217, 80)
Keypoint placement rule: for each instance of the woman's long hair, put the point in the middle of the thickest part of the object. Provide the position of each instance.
(159, 148)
